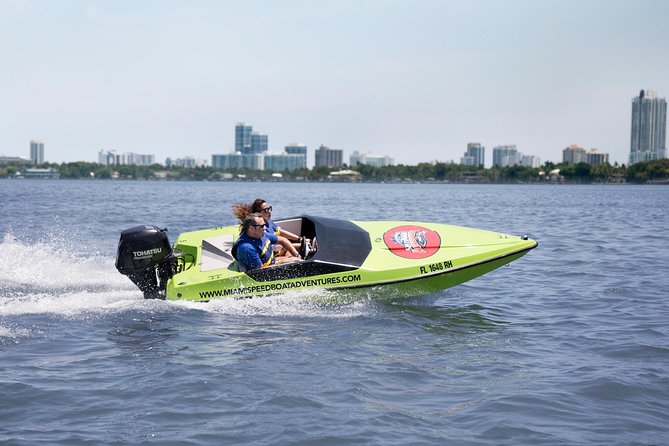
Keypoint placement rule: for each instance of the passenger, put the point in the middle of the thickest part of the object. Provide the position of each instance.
(265, 210)
(253, 248)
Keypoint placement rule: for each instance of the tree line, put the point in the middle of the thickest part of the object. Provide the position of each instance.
(639, 173)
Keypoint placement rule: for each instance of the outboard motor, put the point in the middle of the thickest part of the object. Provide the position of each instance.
(146, 257)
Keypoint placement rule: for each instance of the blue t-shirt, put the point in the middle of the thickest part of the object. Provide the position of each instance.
(252, 252)
(271, 227)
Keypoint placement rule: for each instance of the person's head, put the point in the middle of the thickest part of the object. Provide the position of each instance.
(253, 226)
(260, 206)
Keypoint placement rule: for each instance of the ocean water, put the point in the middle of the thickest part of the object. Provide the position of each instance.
(567, 346)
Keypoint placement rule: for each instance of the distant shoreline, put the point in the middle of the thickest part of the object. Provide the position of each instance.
(293, 181)
(652, 172)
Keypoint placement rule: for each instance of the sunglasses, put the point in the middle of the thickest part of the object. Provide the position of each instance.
(257, 226)
(267, 210)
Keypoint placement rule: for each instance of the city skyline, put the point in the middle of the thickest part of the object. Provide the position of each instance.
(415, 81)
(503, 156)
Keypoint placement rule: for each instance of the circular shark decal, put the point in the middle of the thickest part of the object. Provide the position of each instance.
(412, 242)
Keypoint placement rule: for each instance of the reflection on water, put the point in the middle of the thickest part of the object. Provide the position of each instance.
(143, 334)
(442, 320)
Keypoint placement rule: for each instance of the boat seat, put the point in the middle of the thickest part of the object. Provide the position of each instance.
(293, 225)
(216, 253)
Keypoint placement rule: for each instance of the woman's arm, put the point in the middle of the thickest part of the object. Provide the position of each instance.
(289, 235)
(283, 241)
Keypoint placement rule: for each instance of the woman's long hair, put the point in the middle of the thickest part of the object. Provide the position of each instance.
(241, 211)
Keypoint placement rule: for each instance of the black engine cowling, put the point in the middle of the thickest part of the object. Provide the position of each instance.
(145, 256)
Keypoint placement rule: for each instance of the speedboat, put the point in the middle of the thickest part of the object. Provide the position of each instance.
(415, 258)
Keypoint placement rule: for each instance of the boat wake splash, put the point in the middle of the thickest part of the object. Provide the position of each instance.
(50, 278)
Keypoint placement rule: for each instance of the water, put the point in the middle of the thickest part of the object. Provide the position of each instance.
(568, 345)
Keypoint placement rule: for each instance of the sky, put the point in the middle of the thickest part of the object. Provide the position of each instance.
(416, 80)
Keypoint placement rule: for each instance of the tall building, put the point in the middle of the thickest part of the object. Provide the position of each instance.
(107, 158)
(594, 156)
(294, 157)
(370, 159)
(36, 152)
(259, 142)
(573, 154)
(649, 127)
(281, 162)
(505, 156)
(296, 149)
(243, 133)
(474, 156)
(140, 159)
(248, 142)
(238, 160)
(530, 161)
(260, 161)
(188, 162)
(327, 157)
(111, 158)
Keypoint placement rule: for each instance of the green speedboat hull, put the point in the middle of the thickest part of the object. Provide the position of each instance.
(413, 258)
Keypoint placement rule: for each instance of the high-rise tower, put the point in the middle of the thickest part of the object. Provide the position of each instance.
(649, 127)
(474, 156)
(243, 137)
(327, 157)
(259, 142)
(36, 152)
(505, 156)
(296, 149)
